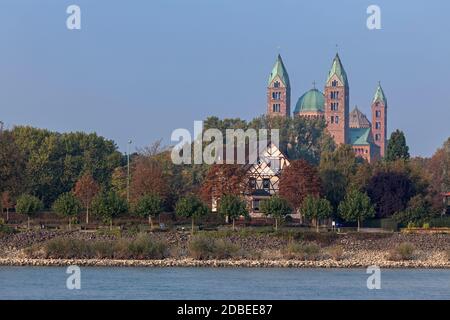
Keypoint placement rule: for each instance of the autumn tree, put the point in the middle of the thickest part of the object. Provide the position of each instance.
(6, 203)
(86, 188)
(147, 177)
(299, 180)
(223, 179)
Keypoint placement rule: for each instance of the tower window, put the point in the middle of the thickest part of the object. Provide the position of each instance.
(332, 119)
(276, 84)
(378, 114)
(336, 119)
(334, 106)
(377, 137)
(276, 95)
(334, 83)
(276, 107)
(377, 125)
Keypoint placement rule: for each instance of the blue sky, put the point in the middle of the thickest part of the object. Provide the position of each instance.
(140, 69)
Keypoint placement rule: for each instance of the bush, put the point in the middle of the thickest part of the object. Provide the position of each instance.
(336, 252)
(440, 222)
(7, 230)
(302, 251)
(404, 251)
(139, 248)
(204, 247)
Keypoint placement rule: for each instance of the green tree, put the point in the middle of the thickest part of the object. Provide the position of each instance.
(418, 212)
(397, 148)
(356, 206)
(316, 208)
(191, 207)
(276, 207)
(29, 205)
(233, 207)
(108, 205)
(148, 206)
(67, 205)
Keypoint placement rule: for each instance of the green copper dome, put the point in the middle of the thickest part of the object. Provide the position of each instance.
(311, 101)
(279, 70)
(338, 69)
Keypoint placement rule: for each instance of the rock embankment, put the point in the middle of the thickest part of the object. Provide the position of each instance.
(264, 250)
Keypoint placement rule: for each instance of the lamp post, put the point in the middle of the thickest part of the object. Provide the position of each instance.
(128, 170)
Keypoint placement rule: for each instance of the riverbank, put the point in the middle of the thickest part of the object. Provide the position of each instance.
(253, 249)
(164, 263)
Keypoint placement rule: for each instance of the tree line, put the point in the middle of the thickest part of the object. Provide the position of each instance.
(73, 172)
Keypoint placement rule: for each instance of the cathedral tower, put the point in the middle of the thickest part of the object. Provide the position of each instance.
(337, 102)
(279, 91)
(379, 119)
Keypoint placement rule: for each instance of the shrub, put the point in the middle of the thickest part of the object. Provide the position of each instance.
(426, 226)
(204, 247)
(140, 248)
(404, 251)
(336, 252)
(302, 251)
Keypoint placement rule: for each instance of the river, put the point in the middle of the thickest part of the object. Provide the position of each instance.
(221, 283)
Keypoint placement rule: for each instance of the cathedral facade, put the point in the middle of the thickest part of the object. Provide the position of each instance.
(368, 139)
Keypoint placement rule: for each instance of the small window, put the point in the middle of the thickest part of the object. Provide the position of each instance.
(255, 205)
(378, 114)
(276, 84)
(377, 137)
(252, 183)
(377, 125)
(332, 119)
(266, 183)
(334, 83)
(336, 119)
(276, 107)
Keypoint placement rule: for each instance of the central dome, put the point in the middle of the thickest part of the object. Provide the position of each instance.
(311, 101)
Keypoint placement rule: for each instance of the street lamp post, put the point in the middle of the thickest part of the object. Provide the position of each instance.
(128, 170)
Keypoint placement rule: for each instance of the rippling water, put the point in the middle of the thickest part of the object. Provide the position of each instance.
(221, 283)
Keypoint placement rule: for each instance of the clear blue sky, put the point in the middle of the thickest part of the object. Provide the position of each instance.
(139, 69)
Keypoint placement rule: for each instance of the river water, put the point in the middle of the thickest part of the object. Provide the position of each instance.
(221, 283)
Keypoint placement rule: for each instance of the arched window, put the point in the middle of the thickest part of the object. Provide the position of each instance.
(276, 84)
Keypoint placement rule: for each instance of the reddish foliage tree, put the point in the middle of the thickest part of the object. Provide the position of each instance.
(223, 179)
(6, 203)
(299, 180)
(86, 188)
(147, 177)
